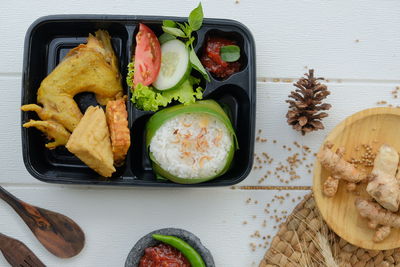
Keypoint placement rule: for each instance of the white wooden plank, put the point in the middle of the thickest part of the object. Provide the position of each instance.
(11, 162)
(342, 39)
(113, 220)
(351, 41)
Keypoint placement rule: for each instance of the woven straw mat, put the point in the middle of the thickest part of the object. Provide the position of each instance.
(295, 242)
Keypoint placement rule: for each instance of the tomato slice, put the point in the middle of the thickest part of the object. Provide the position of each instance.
(147, 56)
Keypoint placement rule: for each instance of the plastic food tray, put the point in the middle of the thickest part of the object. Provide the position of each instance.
(50, 38)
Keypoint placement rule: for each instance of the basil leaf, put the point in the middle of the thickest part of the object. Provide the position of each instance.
(187, 29)
(230, 53)
(196, 18)
(173, 31)
(180, 25)
(184, 29)
(165, 37)
(196, 64)
(169, 23)
(190, 41)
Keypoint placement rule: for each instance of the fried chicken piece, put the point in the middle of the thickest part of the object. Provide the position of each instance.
(91, 67)
(53, 130)
(117, 120)
(90, 142)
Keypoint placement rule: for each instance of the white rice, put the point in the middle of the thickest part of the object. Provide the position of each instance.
(192, 145)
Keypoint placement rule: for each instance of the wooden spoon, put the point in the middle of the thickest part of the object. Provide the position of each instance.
(58, 234)
(17, 253)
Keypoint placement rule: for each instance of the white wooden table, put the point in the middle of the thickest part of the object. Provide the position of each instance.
(354, 44)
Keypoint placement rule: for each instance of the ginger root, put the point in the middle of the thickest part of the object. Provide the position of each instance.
(379, 218)
(381, 233)
(351, 187)
(330, 186)
(383, 185)
(339, 167)
(386, 160)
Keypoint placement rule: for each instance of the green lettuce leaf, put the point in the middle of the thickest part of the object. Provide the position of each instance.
(149, 99)
(131, 73)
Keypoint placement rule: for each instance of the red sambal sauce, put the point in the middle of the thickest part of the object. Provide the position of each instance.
(163, 255)
(212, 61)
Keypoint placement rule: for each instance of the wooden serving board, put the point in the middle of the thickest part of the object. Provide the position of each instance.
(374, 127)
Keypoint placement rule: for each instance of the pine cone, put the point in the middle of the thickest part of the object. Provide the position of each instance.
(303, 110)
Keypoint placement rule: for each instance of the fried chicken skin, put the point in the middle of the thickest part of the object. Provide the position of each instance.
(91, 67)
(54, 131)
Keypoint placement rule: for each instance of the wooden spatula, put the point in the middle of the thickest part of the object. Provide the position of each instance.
(17, 253)
(58, 234)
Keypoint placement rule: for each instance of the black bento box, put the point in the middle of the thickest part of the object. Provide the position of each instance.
(49, 39)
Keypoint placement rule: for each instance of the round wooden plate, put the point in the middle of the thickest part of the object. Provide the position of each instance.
(375, 127)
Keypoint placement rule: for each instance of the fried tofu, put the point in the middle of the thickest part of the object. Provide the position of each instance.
(90, 142)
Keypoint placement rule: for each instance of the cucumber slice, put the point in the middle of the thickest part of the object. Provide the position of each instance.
(175, 66)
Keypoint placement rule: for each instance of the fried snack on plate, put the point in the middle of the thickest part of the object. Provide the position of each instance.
(90, 142)
(91, 67)
(117, 120)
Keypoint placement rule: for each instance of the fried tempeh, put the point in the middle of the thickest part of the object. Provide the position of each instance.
(117, 120)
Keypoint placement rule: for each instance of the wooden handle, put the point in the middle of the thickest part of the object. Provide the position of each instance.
(3, 240)
(17, 253)
(6, 196)
(59, 234)
(28, 213)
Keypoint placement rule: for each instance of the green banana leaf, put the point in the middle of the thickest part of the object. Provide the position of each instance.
(209, 107)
